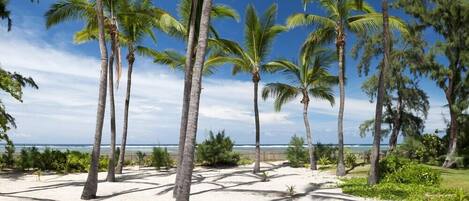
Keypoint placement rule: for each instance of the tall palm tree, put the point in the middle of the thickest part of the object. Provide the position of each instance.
(342, 16)
(91, 185)
(374, 168)
(189, 145)
(190, 13)
(309, 78)
(259, 35)
(137, 19)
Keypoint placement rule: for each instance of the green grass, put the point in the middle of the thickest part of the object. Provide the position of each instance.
(454, 178)
(454, 182)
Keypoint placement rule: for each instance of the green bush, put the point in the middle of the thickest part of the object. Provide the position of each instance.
(140, 158)
(433, 147)
(217, 150)
(327, 151)
(324, 160)
(414, 174)
(297, 154)
(77, 162)
(7, 159)
(161, 158)
(350, 160)
(30, 158)
(394, 169)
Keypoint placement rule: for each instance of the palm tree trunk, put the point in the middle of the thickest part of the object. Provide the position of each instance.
(111, 176)
(193, 115)
(374, 168)
(257, 166)
(130, 60)
(312, 159)
(187, 90)
(91, 185)
(340, 124)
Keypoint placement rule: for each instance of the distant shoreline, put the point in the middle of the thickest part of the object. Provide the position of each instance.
(172, 148)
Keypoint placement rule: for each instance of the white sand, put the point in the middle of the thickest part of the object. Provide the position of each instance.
(237, 184)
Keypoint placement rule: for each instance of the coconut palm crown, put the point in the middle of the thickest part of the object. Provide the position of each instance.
(308, 77)
(259, 35)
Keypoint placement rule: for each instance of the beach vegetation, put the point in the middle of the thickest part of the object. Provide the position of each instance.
(217, 150)
(297, 154)
(140, 158)
(160, 158)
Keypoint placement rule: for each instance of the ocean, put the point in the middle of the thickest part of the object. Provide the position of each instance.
(172, 148)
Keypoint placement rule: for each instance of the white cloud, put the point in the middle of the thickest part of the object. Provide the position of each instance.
(63, 110)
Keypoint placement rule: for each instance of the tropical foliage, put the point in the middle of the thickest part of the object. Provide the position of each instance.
(217, 149)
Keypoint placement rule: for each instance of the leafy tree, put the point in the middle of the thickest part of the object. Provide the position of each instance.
(355, 16)
(405, 104)
(309, 78)
(12, 84)
(259, 34)
(450, 20)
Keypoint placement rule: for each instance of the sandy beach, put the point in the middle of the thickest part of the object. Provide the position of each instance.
(237, 183)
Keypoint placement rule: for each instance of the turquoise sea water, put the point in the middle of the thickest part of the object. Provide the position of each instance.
(172, 148)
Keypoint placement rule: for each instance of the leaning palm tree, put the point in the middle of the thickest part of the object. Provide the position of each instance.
(259, 35)
(342, 16)
(193, 109)
(91, 185)
(190, 12)
(309, 77)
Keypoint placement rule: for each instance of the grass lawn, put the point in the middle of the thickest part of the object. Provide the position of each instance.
(452, 178)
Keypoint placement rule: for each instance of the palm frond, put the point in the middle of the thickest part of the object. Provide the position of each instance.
(302, 19)
(374, 22)
(282, 93)
(66, 10)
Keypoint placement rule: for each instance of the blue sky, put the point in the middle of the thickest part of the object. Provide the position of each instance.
(63, 109)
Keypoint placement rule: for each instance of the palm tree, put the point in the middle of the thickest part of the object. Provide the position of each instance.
(342, 16)
(190, 14)
(137, 20)
(374, 168)
(259, 35)
(91, 185)
(189, 145)
(309, 78)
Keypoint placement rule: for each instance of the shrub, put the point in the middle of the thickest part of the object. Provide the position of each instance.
(244, 160)
(324, 160)
(217, 150)
(7, 158)
(140, 158)
(350, 160)
(412, 148)
(433, 147)
(329, 151)
(77, 162)
(297, 155)
(161, 158)
(30, 158)
(400, 170)
(414, 174)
